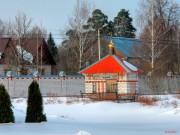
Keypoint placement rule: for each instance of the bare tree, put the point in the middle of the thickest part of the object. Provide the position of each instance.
(6, 28)
(77, 36)
(16, 56)
(2, 28)
(157, 21)
(37, 32)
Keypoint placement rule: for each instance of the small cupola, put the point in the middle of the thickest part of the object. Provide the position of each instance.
(111, 46)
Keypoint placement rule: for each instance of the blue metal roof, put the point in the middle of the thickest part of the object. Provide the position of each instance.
(126, 46)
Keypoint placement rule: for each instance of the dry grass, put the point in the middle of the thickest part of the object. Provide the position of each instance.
(53, 100)
(174, 104)
(177, 95)
(51, 94)
(71, 100)
(147, 100)
(68, 100)
(87, 101)
(19, 100)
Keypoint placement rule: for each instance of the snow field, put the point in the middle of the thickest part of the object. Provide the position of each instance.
(73, 116)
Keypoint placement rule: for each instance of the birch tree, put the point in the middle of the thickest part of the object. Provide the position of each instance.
(157, 21)
(79, 37)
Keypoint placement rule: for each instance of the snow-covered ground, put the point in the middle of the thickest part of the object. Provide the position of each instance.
(73, 116)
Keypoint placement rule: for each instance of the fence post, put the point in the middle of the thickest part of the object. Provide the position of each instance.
(9, 75)
(63, 77)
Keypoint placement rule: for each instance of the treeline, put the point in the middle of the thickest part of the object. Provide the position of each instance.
(157, 27)
(82, 33)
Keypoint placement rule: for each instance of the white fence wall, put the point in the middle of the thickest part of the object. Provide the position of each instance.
(72, 85)
(159, 85)
(49, 86)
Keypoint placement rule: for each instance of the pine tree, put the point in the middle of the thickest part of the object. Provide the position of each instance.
(52, 46)
(6, 113)
(98, 20)
(109, 28)
(34, 111)
(123, 25)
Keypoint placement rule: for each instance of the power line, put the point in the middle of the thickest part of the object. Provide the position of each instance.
(55, 36)
(43, 35)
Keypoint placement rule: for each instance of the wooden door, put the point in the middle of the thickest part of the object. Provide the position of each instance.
(111, 85)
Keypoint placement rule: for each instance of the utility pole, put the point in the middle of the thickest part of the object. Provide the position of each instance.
(99, 49)
(41, 51)
(152, 36)
(21, 55)
(37, 49)
(41, 58)
(178, 48)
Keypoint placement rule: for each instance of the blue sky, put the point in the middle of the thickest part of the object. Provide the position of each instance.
(53, 14)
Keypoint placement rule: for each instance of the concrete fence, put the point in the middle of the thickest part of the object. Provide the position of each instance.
(159, 85)
(71, 85)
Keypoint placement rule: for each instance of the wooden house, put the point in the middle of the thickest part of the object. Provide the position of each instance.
(34, 53)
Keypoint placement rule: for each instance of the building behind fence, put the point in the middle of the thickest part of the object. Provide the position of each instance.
(73, 85)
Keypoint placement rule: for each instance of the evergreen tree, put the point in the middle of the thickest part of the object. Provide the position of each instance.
(34, 111)
(98, 20)
(123, 25)
(52, 46)
(109, 28)
(6, 113)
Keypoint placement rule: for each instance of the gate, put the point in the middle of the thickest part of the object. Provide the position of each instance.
(111, 85)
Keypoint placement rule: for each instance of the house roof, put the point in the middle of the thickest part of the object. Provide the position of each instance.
(125, 45)
(3, 43)
(30, 45)
(110, 64)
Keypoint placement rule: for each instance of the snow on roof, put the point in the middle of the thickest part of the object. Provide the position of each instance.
(26, 55)
(130, 66)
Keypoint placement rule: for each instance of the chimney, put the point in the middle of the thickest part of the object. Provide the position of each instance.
(111, 47)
